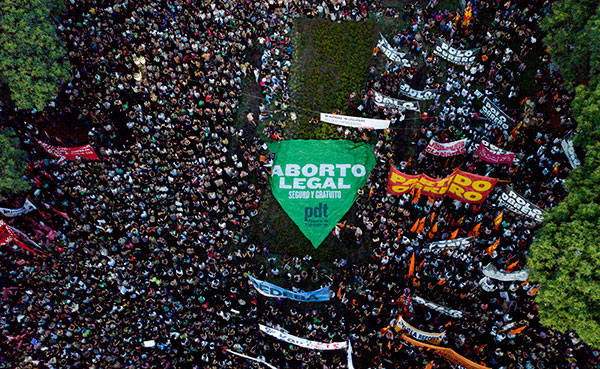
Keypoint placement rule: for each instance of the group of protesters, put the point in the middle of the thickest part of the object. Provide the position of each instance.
(143, 256)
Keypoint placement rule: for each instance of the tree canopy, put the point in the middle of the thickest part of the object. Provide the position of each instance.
(32, 56)
(565, 259)
(12, 164)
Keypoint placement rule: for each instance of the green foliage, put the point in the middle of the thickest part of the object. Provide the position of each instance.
(32, 57)
(330, 60)
(12, 164)
(565, 260)
(571, 29)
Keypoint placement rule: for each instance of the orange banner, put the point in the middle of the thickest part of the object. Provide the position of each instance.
(461, 186)
(445, 353)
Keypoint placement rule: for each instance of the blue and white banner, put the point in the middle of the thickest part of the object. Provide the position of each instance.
(271, 290)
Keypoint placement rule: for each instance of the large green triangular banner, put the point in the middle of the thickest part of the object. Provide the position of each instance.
(317, 181)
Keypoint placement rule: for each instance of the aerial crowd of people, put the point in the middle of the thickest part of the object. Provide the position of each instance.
(151, 243)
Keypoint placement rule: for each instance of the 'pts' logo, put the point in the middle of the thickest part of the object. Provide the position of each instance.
(316, 212)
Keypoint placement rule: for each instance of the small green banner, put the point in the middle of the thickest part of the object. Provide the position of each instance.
(317, 181)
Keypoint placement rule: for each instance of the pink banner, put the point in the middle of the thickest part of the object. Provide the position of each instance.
(447, 149)
(70, 153)
(492, 154)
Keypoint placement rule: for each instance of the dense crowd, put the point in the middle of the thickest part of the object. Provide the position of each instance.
(151, 242)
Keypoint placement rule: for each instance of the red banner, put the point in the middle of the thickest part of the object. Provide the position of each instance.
(70, 153)
(7, 236)
(447, 149)
(492, 154)
(462, 186)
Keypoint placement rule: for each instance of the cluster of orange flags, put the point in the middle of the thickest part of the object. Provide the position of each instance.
(418, 226)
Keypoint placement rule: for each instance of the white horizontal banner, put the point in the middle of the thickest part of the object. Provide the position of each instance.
(408, 91)
(26, 208)
(356, 122)
(313, 345)
(393, 54)
(491, 272)
(459, 242)
(462, 57)
(439, 308)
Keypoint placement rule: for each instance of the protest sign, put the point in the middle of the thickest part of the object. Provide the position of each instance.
(493, 154)
(514, 202)
(70, 153)
(317, 181)
(408, 91)
(392, 54)
(355, 122)
(440, 309)
(491, 272)
(26, 208)
(388, 102)
(447, 149)
(401, 324)
(313, 345)
(567, 146)
(461, 186)
(495, 115)
(462, 57)
(271, 290)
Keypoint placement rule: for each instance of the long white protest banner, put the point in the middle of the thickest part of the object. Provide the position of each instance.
(408, 91)
(462, 57)
(271, 290)
(447, 149)
(251, 358)
(26, 208)
(393, 54)
(491, 272)
(389, 102)
(567, 146)
(313, 345)
(418, 334)
(495, 114)
(516, 203)
(459, 242)
(439, 308)
(356, 122)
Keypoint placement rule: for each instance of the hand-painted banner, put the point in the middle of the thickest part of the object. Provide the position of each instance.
(26, 208)
(439, 308)
(355, 122)
(408, 91)
(491, 272)
(459, 242)
(252, 358)
(418, 334)
(447, 149)
(313, 345)
(393, 54)
(462, 57)
(317, 181)
(445, 353)
(493, 154)
(388, 102)
(514, 202)
(496, 115)
(271, 290)
(567, 146)
(70, 153)
(461, 186)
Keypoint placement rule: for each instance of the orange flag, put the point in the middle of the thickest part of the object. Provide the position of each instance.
(434, 228)
(421, 264)
(475, 231)
(417, 196)
(432, 216)
(517, 331)
(441, 281)
(411, 268)
(339, 293)
(511, 266)
(490, 250)
(415, 226)
(533, 291)
(498, 220)
(409, 162)
(421, 226)
(454, 234)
